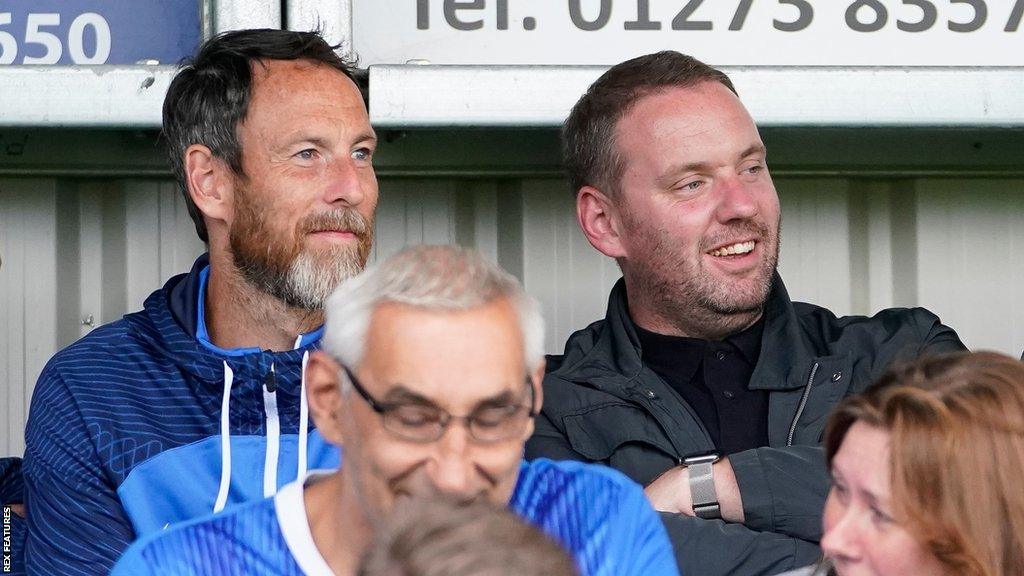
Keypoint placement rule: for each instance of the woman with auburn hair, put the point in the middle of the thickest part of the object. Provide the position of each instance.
(927, 468)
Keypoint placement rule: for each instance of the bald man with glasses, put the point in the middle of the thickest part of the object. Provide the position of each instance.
(444, 354)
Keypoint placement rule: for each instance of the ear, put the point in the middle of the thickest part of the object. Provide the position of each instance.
(601, 222)
(323, 392)
(536, 380)
(210, 183)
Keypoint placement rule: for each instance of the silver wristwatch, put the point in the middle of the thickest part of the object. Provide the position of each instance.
(702, 486)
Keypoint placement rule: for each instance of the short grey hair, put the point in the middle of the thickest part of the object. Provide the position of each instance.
(433, 278)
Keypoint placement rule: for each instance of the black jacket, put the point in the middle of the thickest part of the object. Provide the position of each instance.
(602, 404)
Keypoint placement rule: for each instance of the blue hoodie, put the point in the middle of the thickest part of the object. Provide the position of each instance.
(144, 423)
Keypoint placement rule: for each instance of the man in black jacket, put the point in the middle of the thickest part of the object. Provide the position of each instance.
(705, 382)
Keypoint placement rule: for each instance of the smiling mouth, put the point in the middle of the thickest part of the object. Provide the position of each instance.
(737, 249)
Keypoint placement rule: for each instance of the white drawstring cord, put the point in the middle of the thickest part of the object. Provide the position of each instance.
(225, 441)
(273, 435)
(303, 421)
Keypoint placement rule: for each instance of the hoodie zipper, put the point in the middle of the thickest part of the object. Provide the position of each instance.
(273, 433)
(803, 403)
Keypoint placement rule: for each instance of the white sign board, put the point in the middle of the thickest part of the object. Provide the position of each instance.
(719, 32)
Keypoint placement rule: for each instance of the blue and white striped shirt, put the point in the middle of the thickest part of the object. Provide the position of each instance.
(601, 517)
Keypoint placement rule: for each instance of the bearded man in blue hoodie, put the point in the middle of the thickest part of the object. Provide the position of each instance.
(197, 402)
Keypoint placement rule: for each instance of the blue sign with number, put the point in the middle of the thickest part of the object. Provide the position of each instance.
(83, 32)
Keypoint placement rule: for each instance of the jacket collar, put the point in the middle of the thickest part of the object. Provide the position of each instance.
(785, 358)
(183, 296)
(786, 352)
(186, 299)
(167, 327)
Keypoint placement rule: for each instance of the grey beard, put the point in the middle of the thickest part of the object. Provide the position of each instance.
(308, 283)
(306, 280)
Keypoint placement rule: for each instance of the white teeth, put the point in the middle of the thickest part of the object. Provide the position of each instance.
(737, 248)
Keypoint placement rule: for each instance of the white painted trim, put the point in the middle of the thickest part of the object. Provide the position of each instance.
(83, 97)
(240, 14)
(432, 96)
(334, 17)
(410, 96)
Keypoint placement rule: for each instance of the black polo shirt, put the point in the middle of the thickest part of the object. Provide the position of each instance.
(712, 377)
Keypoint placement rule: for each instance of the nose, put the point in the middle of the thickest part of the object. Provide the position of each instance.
(841, 540)
(453, 470)
(347, 183)
(737, 200)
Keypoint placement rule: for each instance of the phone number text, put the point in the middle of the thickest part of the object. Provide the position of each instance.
(793, 16)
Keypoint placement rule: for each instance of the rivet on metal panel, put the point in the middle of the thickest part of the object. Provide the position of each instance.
(16, 148)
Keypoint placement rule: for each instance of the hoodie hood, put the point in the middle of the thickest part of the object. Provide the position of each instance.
(257, 396)
(168, 326)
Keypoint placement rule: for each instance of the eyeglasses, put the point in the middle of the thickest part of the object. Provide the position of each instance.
(424, 423)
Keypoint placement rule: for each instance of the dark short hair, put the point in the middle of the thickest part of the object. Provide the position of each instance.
(210, 95)
(439, 537)
(588, 134)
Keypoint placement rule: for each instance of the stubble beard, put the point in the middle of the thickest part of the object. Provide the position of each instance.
(298, 276)
(692, 300)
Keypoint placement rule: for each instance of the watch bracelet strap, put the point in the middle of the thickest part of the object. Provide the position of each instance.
(702, 491)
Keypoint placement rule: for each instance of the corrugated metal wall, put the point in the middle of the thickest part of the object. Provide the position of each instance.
(81, 251)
